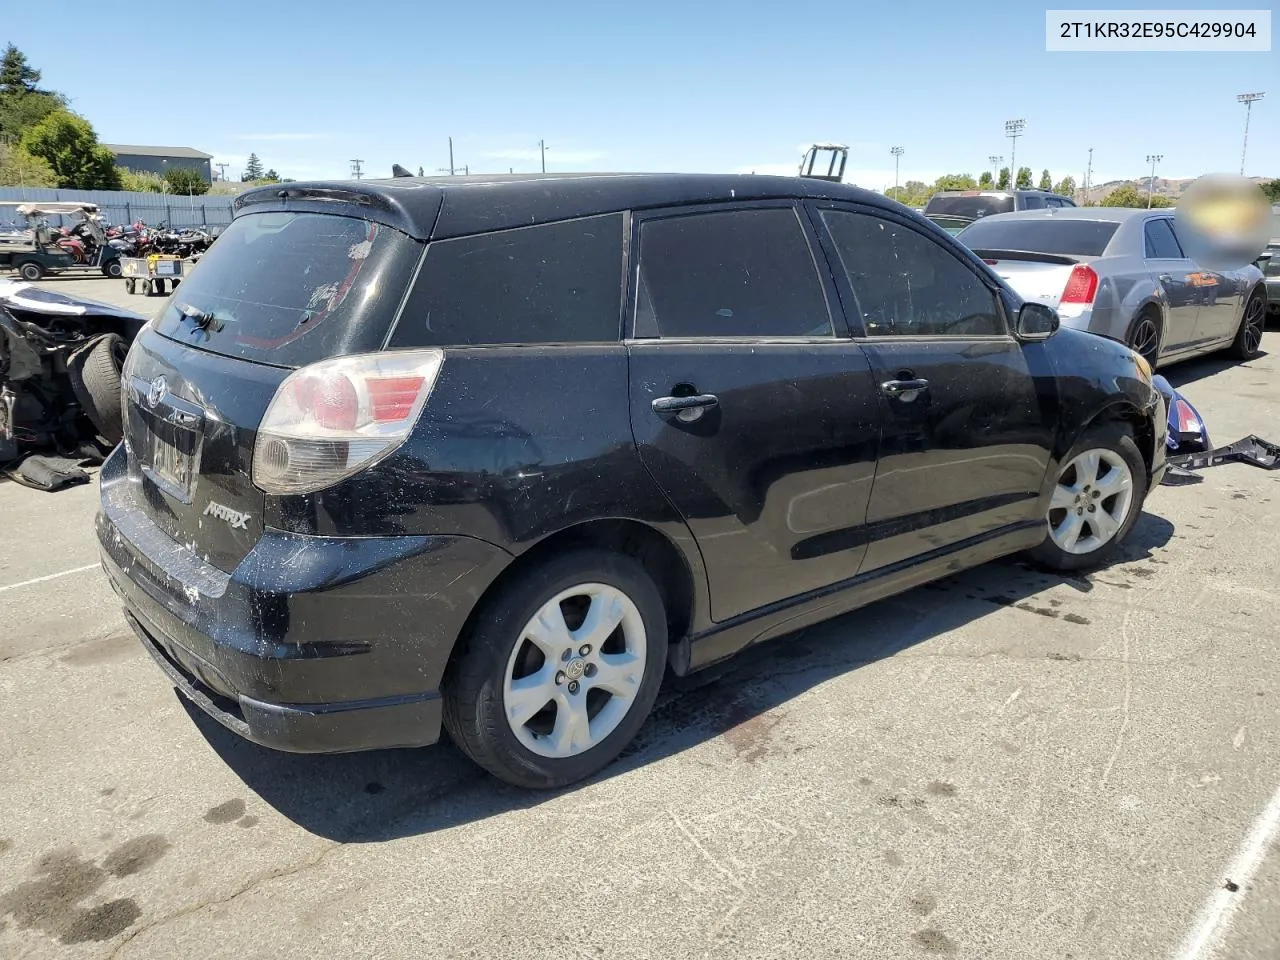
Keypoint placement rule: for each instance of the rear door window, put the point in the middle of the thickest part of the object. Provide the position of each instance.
(552, 283)
(1160, 241)
(732, 273)
(292, 288)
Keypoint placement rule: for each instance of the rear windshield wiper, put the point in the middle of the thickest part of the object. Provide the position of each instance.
(201, 319)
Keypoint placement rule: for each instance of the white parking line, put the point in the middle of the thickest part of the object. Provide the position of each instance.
(1214, 920)
(52, 576)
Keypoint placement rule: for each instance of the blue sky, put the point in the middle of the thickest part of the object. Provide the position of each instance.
(696, 86)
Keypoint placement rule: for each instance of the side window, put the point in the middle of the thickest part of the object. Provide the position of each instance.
(1052, 202)
(554, 283)
(1032, 203)
(1067, 202)
(735, 273)
(1161, 243)
(907, 284)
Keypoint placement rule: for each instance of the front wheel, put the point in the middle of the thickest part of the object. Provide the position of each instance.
(112, 269)
(560, 671)
(1248, 342)
(31, 271)
(1097, 498)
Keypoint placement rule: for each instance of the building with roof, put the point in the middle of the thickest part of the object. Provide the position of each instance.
(160, 160)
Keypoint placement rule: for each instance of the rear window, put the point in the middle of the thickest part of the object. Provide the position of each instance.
(553, 283)
(293, 288)
(1072, 238)
(972, 207)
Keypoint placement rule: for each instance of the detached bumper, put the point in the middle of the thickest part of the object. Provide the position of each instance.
(312, 644)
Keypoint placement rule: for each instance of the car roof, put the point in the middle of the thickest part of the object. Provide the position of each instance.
(1100, 214)
(440, 207)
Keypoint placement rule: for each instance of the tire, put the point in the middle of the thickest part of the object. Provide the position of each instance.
(1248, 342)
(30, 270)
(1105, 517)
(144, 287)
(95, 379)
(130, 286)
(541, 752)
(1145, 334)
(113, 269)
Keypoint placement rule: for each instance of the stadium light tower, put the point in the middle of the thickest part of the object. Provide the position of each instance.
(1247, 99)
(1153, 159)
(1013, 130)
(897, 153)
(995, 169)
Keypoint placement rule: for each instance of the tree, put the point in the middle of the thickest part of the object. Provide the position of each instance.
(420, 173)
(16, 75)
(1046, 181)
(22, 103)
(955, 181)
(68, 144)
(1024, 178)
(1065, 187)
(1126, 196)
(985, 181)
(1272, 190)
(184, 181)
(140, 181)
(19, 169)
(252, 169)
(271, 176)
(1003, 182)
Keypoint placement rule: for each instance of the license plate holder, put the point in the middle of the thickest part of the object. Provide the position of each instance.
(171, 469)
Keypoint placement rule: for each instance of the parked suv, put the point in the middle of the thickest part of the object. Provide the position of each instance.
(496, 453)
(953, 210)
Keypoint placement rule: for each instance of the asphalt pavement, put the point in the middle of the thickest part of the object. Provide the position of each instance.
(1004, 764)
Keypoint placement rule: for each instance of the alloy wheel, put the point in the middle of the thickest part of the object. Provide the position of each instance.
(1146, 340)
(1254, 321)
(1091, 501)
(575, 670)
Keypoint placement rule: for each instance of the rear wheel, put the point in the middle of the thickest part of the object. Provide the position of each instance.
(1144, 336)
(112, 269)
(95, 379)
(560, 671)
(1248, 341)
(1097, 498)
(130, 286)
(30, 270)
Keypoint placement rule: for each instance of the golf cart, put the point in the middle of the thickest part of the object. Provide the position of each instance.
(41, 250)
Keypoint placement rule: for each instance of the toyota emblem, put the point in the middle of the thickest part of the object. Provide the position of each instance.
(158, 390)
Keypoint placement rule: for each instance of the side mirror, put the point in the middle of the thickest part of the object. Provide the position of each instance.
(1037, 322)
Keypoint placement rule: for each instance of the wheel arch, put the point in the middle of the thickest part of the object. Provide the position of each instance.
(658, 554)
(1126, 412)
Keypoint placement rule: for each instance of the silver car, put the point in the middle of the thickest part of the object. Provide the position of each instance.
(1123, 274)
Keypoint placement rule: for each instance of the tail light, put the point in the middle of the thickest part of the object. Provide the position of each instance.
(1082, 285)
(333, 419)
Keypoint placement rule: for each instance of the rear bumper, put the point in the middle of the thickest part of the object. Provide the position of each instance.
(312, 644)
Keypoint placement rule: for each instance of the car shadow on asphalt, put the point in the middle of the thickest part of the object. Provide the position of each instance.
(1189, 371)
(388, 794)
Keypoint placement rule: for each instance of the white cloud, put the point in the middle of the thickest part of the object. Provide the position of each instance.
(281, 136)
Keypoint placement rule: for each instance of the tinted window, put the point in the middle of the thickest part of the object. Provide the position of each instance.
(293, 288)
(1032, 203)
(1078, 238)
(740, 273)
(1052, 202)
(555, 283)
(1161, 243)
(908, 285)
(973, 206)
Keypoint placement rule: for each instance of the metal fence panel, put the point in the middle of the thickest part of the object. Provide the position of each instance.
(125, 206)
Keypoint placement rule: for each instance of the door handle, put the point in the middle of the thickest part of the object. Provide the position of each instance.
(904, 389)
(678, 405)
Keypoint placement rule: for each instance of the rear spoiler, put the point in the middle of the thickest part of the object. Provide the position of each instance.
(1031, 255)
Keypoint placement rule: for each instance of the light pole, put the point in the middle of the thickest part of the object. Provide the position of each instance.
(542, 147)
(1247, 99)
(1013, 130)
(897, 152)
(1153, 159)
(995, 169)
(1088, 174)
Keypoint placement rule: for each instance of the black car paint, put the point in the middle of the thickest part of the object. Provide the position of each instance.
(351, 599)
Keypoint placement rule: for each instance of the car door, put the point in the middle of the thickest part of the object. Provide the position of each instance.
(966, 439)
(1170, 268)
(1220, 297)
(756, 419)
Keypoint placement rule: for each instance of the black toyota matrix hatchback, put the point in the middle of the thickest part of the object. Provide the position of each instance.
(495, 453)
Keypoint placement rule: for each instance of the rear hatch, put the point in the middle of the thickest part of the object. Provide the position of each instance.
(276, 292)
(1038, 256)
(969, 204)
